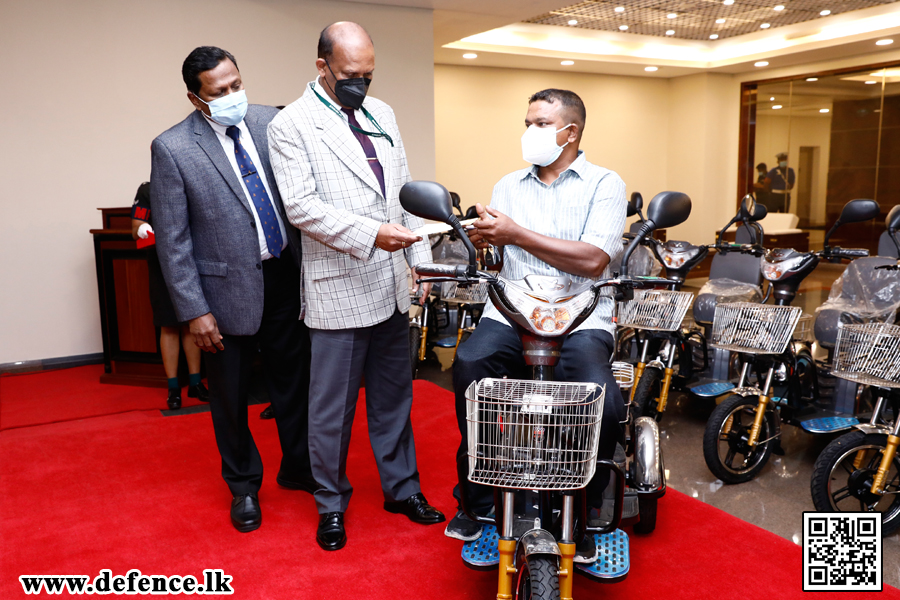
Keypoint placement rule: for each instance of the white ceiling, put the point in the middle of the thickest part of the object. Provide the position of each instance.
(494, 29)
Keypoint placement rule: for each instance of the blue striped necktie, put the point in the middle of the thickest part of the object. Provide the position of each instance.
(258, 194)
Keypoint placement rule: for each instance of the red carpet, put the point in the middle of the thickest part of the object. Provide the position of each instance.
(141, 491)
(69, 394)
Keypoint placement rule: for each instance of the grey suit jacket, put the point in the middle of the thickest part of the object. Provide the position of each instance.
(333, 197)
(205, 231)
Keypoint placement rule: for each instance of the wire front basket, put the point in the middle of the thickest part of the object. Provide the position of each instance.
(754, 328)
(476, 293)
(868, 354)
(658, 310)
(533, 435)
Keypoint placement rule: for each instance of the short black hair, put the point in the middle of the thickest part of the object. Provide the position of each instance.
(762, 166)
(202, 59)
(326, 42)
(570, 102)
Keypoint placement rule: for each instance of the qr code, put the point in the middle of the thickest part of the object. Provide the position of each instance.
(841, 551)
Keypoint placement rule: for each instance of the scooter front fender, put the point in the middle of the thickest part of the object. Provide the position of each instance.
(648, 475)
(538, 541)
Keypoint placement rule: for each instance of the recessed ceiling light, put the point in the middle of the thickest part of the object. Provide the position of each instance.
(567, 63)
(871, 82)
(776, 106)
(720, 21)
(470, 55)
(573, 22)
(884, 42)
(714, 36)
(672, 15)
(670, 32)
(761, 63)
(651, 69)
(620, 9)
(772, 99)
(728, 2)
(812, 78)
(825, 13)
(780, 7)
(764, 26)
(824, 110)
(623, 27)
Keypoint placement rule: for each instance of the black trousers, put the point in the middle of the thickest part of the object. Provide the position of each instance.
(495, 350)
(283, 340)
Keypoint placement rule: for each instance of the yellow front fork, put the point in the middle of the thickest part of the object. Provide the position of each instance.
(889, 452)
(422, 342)
(566, 570)
(637, 377)
(664, 391)
(507, 549)
(758, 420)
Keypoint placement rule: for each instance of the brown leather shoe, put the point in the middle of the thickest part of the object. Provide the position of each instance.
(418, 510)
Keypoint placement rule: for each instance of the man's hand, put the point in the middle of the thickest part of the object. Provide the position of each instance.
(426, 286)
(392, 237)
(206, 333)
(499, 231)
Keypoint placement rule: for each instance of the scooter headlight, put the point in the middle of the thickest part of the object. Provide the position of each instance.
(774, 270)
(546, 318)
(675, 260)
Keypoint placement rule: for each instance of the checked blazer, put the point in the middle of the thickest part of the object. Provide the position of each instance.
(332, 196)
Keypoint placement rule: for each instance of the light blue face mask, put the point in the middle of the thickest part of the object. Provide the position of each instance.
(228, 110)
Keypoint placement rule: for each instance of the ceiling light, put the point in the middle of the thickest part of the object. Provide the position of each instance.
(825, 13)
(567, 63)
(824, 110)
(812, 78)
(720, 21)
(728, 2)
(651, 69)
(884, 42)
(672, 15)
(470, 55)
(776, 106)
(780, 7)
(772, 98)
(764, 26)
(670, 32)
(871, 82)
(714, 36)
(620, 9)
(761, 63)
(573, 22)
(623, 27)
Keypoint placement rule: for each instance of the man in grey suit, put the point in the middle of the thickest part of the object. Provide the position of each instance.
(339, 163)
(231, 263)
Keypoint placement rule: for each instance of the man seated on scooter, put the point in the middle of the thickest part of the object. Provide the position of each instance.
(560, 216)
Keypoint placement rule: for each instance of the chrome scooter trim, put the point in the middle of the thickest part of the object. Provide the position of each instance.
(538, 541)
(868, 428)
(746, 391)
(648, 475)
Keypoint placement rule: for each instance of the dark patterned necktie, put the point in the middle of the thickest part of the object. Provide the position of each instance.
(258, 194)
(368, 148)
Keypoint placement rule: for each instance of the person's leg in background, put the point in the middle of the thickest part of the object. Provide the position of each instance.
(169, 348)
(192, 353)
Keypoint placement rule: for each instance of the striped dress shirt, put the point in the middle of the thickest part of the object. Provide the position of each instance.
(586, 203)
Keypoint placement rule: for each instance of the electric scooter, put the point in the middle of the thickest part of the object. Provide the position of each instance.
(540, 435)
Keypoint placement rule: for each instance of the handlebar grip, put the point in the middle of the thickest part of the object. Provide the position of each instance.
(849, 252)
(438, 270)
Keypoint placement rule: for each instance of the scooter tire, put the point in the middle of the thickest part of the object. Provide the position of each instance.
(415, 339)
(538, 578)
(648, 390)
(835, 467)
(647, 513)
(742, 409)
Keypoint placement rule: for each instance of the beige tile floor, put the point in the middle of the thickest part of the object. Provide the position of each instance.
(777, 498)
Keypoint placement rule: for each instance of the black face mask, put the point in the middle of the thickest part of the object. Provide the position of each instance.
(350, 92)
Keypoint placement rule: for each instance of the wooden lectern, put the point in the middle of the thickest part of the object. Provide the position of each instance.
(130, 341)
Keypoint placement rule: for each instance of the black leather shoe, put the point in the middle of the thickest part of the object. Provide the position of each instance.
(245, 513)
(418, 510)
(307, 484)
(174, 399)
(199, 392)
(268, 413)
(331, 535)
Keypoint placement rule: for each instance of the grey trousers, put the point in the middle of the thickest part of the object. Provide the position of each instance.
(339, 360)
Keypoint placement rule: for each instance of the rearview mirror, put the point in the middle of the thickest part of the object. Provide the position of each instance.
(455, 201)
(747, 211)
(668, 209)
(428, 200)
(892, 222)
(760, 212)
(859, 210)
(635, 204)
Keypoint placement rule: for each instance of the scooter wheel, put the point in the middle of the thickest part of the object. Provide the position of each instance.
(538, 578)
(415, 338)
(840, 484)
(648, 390)
(647, 513)
(725, 448)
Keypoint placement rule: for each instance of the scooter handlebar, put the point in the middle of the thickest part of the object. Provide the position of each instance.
(438, 270)
(848, 253)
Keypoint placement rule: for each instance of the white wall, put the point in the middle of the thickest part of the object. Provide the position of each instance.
(89, 84)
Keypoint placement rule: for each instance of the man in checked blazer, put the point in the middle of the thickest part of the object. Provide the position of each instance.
(340, 163)
(231, 262)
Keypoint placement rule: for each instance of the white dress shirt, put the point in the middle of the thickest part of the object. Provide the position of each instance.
(250, 147)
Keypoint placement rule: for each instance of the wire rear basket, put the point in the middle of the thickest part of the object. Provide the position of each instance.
(754, 328)
(658, 310)
(868, 354)
(533, 435)
(473, 294)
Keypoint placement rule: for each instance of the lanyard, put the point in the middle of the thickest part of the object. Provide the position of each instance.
(381, 133)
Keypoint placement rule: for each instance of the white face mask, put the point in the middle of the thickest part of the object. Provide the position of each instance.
(229, 109)
(539, 145)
